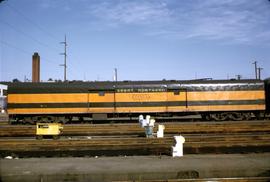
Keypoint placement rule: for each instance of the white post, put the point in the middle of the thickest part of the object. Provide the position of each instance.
(177, 150)
(160, 132)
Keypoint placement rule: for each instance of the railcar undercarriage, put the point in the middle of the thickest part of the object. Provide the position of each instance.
(133, 117)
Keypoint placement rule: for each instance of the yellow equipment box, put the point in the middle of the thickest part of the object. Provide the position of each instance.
(48, 129)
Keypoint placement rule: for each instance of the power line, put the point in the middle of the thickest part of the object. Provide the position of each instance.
(27, 35)
(32, 22)
(24, 51)
(14, 47)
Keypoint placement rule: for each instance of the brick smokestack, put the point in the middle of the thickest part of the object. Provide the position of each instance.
(36, 68)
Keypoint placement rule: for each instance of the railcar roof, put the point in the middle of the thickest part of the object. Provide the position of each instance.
(82, 87)
(144, 81)
(109, 84)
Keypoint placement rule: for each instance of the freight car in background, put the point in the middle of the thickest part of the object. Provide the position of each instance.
(212, 99)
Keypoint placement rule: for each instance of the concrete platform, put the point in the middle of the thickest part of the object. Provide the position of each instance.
(135, 167)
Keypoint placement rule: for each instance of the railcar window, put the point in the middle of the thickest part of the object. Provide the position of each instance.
(176, 92)
(101, 93)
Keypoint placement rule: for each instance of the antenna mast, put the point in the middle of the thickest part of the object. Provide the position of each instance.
(65, 58)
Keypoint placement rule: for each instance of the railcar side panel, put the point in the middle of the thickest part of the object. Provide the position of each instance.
(226, 100)
(143, 97)
(267, 95)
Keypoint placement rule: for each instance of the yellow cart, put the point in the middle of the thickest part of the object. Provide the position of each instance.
(48, 129)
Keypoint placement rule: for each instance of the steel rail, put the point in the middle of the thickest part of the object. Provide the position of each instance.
(135, 129)
(240, 179)
(192, 144)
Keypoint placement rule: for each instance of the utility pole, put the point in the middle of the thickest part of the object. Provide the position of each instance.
(255, 64)
(65, 58)
(115, 74)
(238, 77)
(259, 72)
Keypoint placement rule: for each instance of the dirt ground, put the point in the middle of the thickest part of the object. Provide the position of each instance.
(135, 167)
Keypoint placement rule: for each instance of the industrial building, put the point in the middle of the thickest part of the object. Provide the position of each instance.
(3, 89)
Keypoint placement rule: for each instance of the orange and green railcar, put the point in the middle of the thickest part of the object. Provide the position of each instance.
(218, 99)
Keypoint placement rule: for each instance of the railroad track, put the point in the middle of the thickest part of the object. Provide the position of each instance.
(135, 129)
(137, 145)
(3, 119)
(244, 179)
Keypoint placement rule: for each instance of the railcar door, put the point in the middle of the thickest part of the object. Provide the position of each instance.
(101, 103)
(177, 100)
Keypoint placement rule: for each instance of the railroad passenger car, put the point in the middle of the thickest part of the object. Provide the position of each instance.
(213, 99)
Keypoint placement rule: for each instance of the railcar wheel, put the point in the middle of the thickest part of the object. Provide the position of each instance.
(55, 137)
(205, 117)
(259, 115)
(236, 116)
(39, 137)
(247, 116)
(35, 119)
(223, 116)
(61, 119)
(219, 116)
